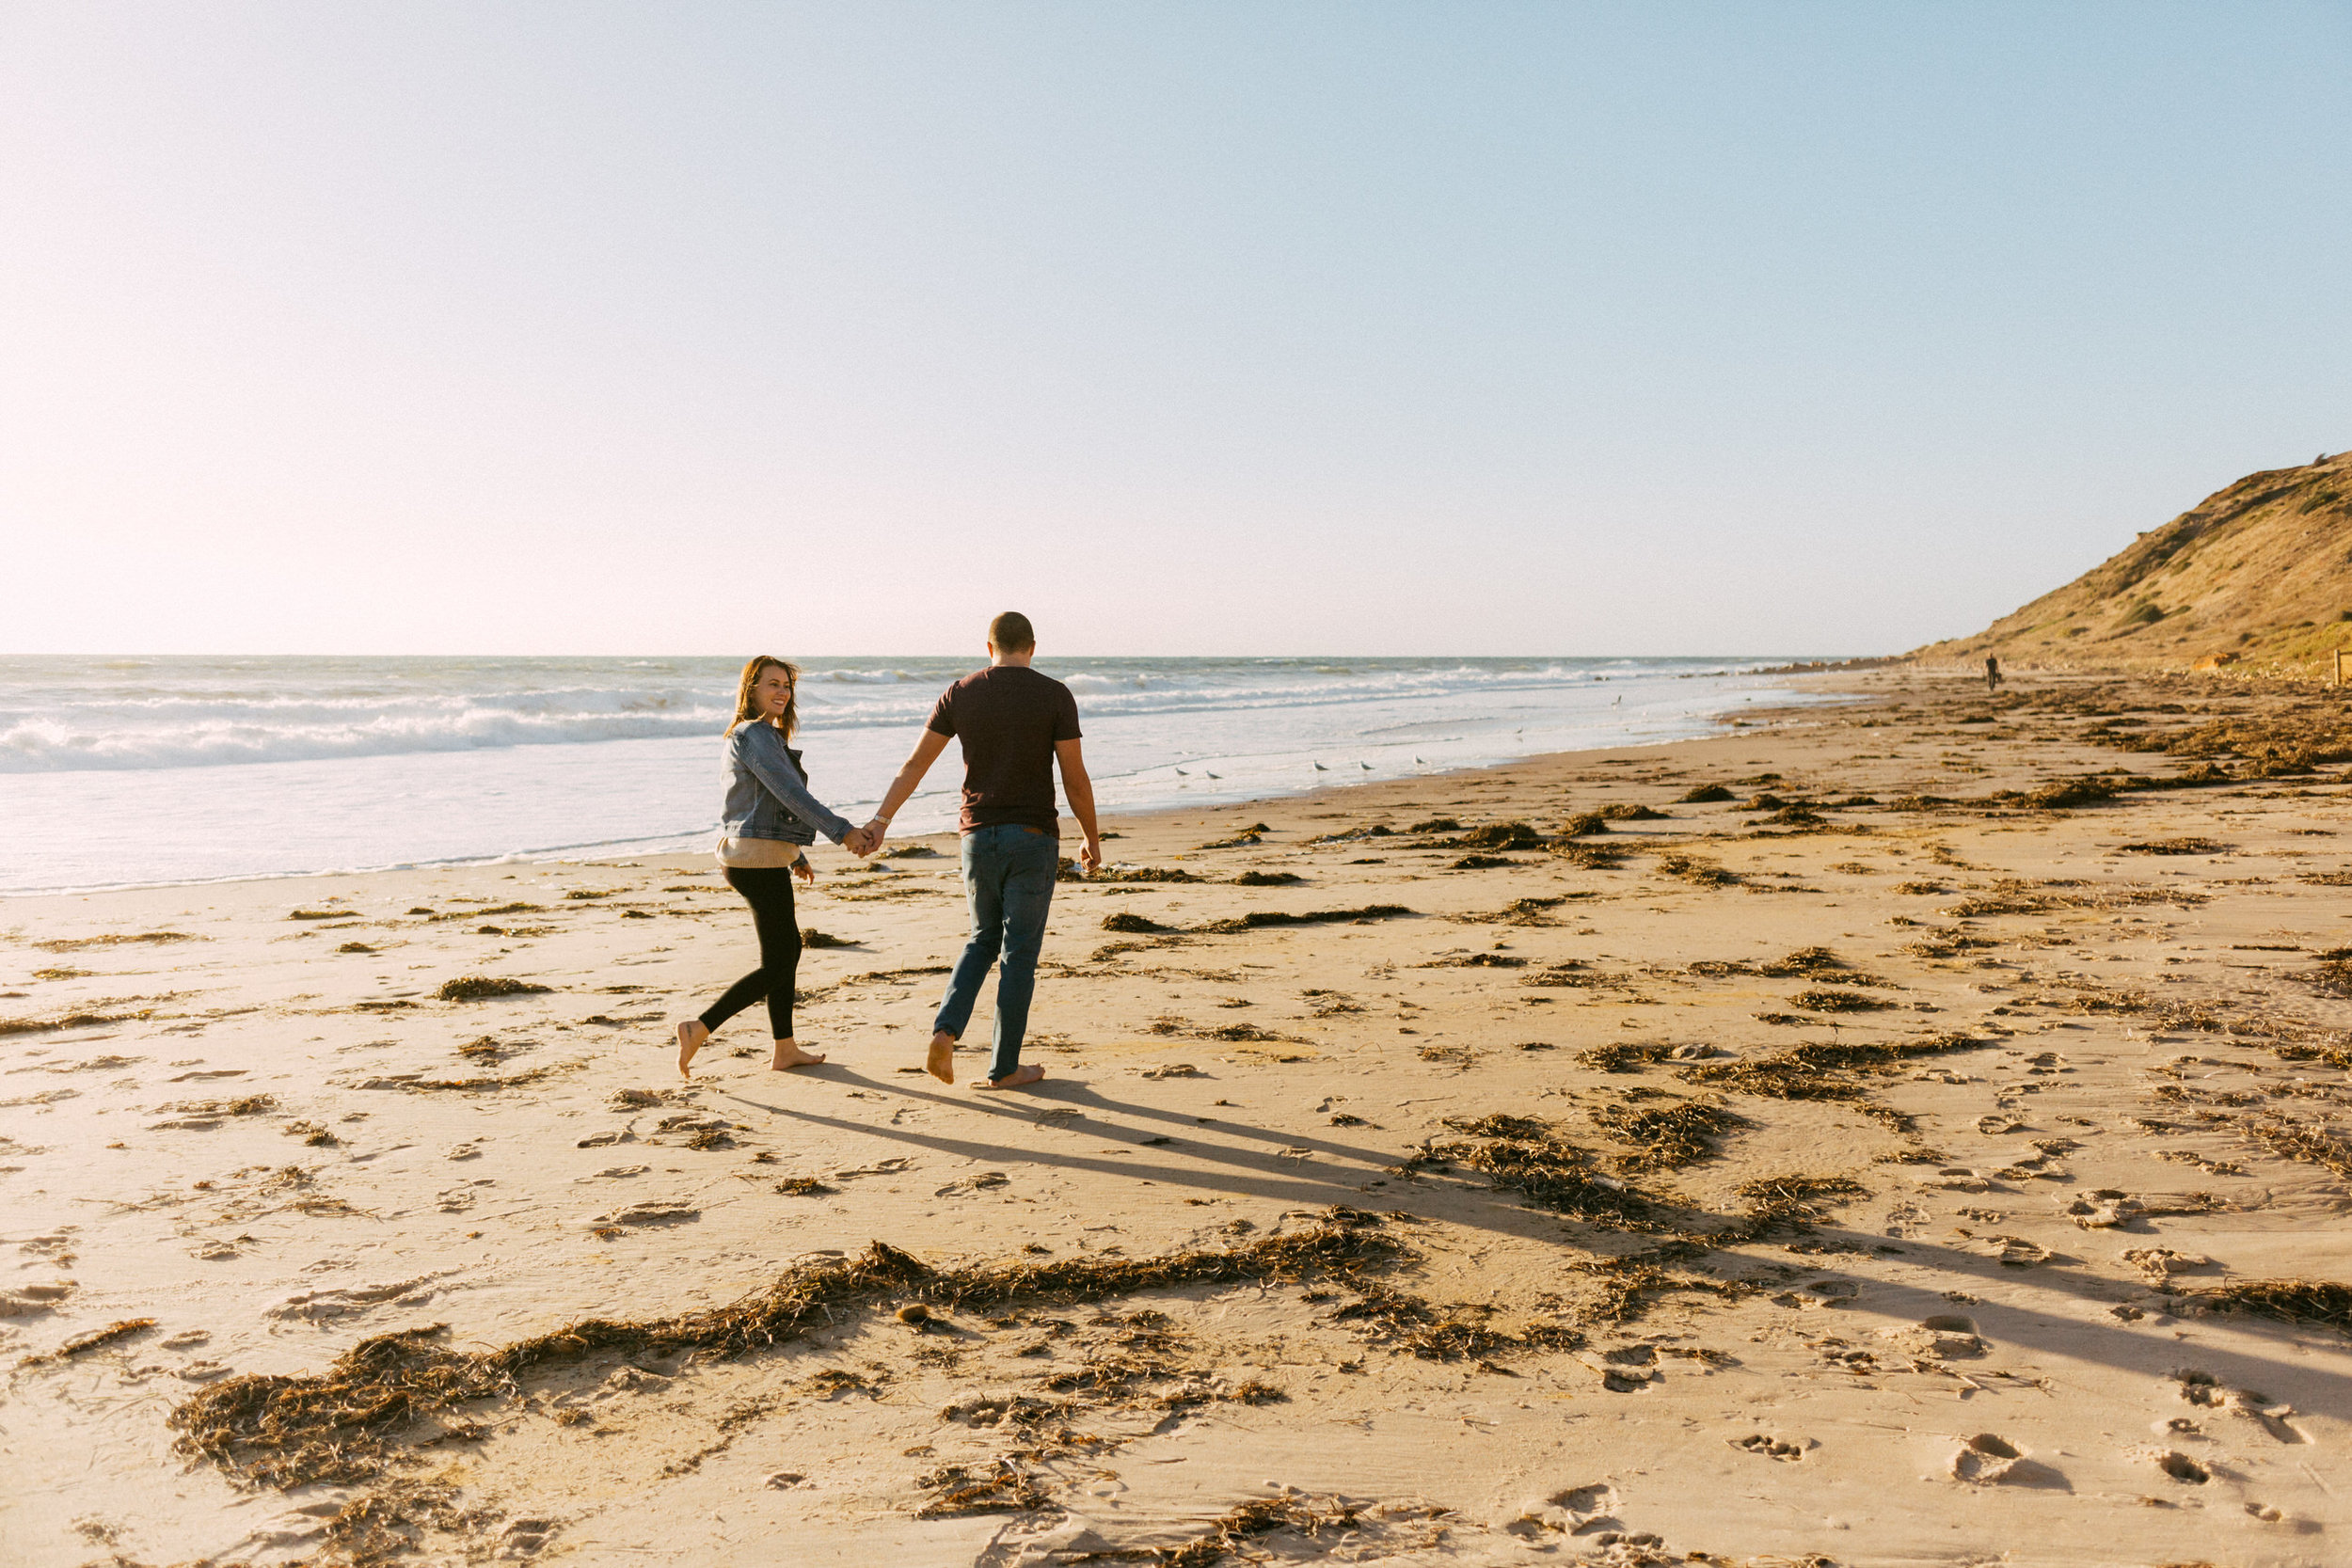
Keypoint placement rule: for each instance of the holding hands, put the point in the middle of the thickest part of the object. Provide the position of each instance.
(1091, 854)
(865, 841)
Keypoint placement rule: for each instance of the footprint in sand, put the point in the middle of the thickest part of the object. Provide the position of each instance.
(652, 1212)
(1773, 1447)
(1946, 1337)
(2206, 1391)
(2104, 1208)
(1986, 1460)
(2158, 1264)
(27, 1300)
(2016, 1252)
(636, 1379)
(1572, 1511)
(1630, 1368)
(327, 1306)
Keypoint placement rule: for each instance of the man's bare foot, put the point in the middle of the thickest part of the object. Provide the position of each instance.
(1017, 1078)
(791, 1056)
(941, 1063)
(691, 1037)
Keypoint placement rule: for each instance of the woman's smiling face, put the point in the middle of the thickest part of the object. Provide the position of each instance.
(773, 691)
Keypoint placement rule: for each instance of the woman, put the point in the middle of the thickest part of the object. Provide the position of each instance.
(769, 820)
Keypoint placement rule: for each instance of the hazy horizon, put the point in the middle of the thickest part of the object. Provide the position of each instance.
(1449, 330)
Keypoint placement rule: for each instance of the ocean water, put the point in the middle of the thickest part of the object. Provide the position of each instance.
(133, 772)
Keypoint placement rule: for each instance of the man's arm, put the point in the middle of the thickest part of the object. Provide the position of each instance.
(917, 764)
(1079, 790)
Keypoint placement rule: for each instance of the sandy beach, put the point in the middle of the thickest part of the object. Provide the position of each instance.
(1851, 1139)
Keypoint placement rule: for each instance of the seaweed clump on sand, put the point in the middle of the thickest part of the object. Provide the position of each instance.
(1523, 1154)
(95, 1339)
(1257, 919)
(812, 938)
(1626, 1057)
(1139, 924)
(1501, 835)
(1260, 1517)
(1667, 1137)
(1828, 1069)
(476, 988)
(336, 1428)
(1703, 794)
(2314, 1300)
(1268, 878)
(1826, 999)
(1697, 872)
(1627, 811)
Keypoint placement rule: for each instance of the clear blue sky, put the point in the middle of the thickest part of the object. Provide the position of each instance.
(1190, 327)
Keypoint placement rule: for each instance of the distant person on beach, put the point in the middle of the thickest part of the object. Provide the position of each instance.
(769, 820)
(1992, 672)
(1015, 725)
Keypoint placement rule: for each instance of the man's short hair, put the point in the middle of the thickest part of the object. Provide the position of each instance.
(1012, 632)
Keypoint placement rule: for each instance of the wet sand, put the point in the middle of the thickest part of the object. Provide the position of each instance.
(1895, 1170)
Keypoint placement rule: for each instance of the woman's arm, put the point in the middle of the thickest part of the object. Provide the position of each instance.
(763, 753)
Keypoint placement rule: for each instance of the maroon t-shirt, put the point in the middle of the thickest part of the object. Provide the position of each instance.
(1008, 717)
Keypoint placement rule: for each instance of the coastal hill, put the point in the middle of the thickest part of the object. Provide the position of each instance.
(2256, 575)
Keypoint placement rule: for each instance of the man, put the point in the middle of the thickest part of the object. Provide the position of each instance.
(1015, 725)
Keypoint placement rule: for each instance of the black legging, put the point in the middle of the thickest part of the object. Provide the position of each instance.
(769, 891)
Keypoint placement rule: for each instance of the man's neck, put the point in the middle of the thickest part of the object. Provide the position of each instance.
(1012, 661)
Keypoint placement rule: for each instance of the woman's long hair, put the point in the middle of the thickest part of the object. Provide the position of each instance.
(747, 706)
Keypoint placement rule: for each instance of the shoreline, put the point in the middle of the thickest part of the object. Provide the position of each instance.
(1883, 1148)
(620, 797)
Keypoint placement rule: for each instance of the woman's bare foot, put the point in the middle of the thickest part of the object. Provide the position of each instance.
(691, 1037)
(1019, 1076)
(941, 1063)
(791, 1056)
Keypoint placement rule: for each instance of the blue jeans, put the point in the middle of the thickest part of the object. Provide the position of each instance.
(1008, 877)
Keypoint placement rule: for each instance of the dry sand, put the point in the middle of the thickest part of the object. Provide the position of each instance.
(1920, 1251)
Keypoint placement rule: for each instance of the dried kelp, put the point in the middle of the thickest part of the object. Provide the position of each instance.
(475, 987)
(2013, 896)
(1259, 919)
(2310, 1146)
(1262, 1516)
(1696, 872)
(1502, 835)
(291, 1431)
(116, 938)
(1523, 1154)
(1825, 999)
(2315, 1301)
(1624, 1056)
(1666, 1137)
(94, 1339)
(1519, 911)
(70, 1021)
(1831, 1070)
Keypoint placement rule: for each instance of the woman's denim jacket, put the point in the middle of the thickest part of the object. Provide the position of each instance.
(767, 791)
